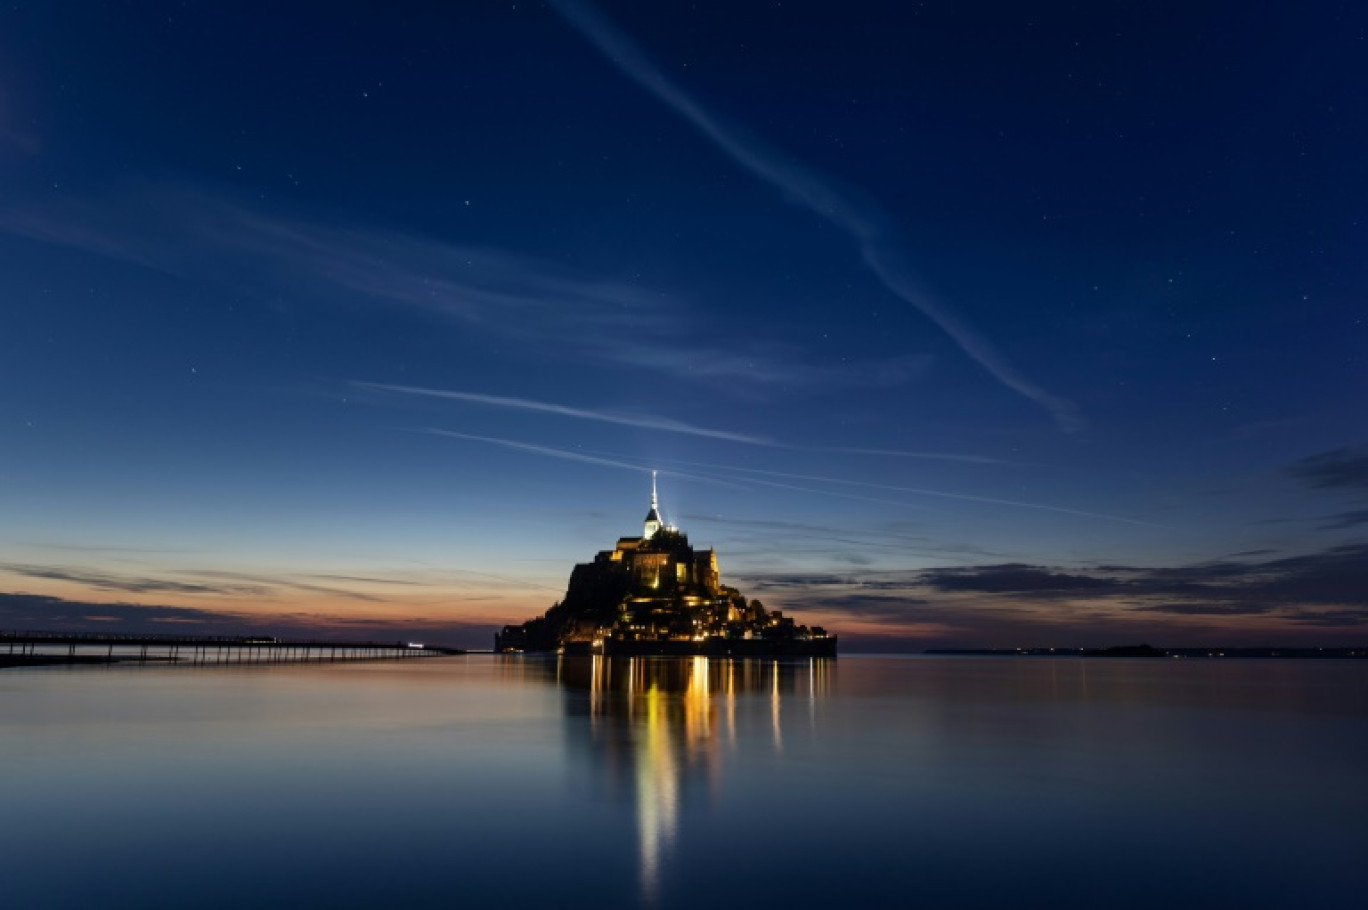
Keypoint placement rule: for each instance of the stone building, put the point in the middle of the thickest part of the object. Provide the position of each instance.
(656, 594)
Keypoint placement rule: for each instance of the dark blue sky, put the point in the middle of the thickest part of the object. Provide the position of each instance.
(946, 323)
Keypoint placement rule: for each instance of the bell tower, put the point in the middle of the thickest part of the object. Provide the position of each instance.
(652, 517)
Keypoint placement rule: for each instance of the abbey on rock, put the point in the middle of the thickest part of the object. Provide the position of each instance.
(655, 594)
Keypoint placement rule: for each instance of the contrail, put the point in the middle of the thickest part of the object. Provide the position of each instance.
(657, 423)
(901, 453)
(599, 459)
(519, 582)
(860, 219)
(574, 456)
(737, 483)
(545, 407)
(922, 492)
(538, 450)
(918, 491)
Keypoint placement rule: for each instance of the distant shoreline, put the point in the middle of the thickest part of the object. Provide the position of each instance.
(1148, 651)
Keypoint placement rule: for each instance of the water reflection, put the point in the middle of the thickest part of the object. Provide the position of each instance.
(967, 783)
(658, 729)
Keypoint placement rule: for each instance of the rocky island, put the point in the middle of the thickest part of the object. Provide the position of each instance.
(656, 595)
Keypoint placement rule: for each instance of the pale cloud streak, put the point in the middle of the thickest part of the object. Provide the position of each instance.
(131, 584)
(539, 450)
(650, 422)
(757, 477)
(933, 456)
(919, 491)
(41, 611)
(191, 233)
(859, 218)
(775, 366)
(193, 582)
(549, 308)
(566, 455)
(642, 421)
(287, 582)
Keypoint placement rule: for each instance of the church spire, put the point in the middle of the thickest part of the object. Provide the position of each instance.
(652, 517)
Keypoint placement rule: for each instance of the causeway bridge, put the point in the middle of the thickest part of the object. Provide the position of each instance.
(39, 648)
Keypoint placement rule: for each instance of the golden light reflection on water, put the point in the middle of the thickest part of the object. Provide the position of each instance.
(660, 725)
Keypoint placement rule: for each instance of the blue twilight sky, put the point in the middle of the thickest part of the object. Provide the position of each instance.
(946, 323)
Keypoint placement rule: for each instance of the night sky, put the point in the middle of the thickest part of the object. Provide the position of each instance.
(947, 323)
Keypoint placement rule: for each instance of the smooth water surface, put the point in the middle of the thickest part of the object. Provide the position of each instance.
(980, 782)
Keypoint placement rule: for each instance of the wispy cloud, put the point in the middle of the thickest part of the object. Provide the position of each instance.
(193, 233)
(644, 421)
(1343, 471)
(1270, 601)
(842, 544)
(919, 492)
(369, 580)
(12, 135)
(933, 456)
(539, 450)
(589, 458)
(893, 535)
(1352, 519)
(774, 366)
(95, 548)
(861, 220)
(1022, 579)
(567, 455)
(105, 581)
(759, 477)
(22, 611)
(652, 422)
(286, 581)
(211, 582)
(553, 309)
(1335, 576)
(1338, 469)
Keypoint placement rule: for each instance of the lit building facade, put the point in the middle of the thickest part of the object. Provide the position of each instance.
(656, 594)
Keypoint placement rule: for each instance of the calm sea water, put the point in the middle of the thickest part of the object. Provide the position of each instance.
(944, 782)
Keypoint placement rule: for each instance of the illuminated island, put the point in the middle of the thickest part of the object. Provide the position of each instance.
(656, 595)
